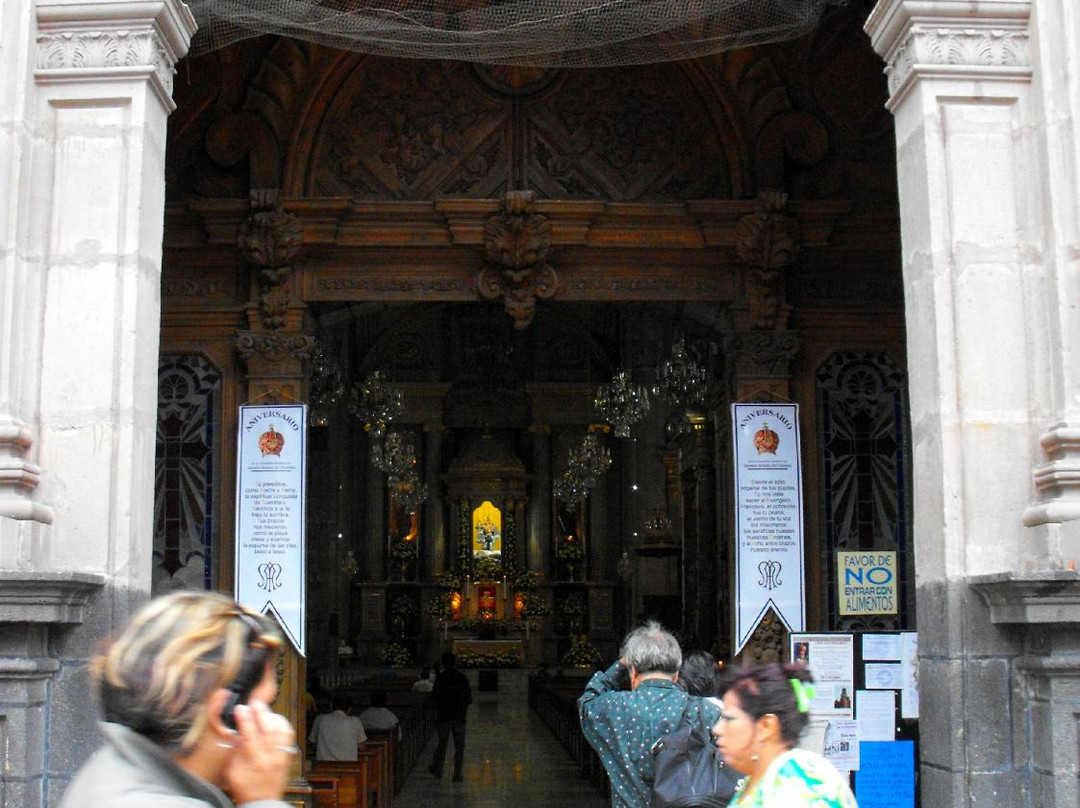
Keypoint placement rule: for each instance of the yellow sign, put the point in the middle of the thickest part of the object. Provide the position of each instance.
(867, 582)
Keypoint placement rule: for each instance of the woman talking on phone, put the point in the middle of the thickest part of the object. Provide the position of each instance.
(765, 711)
(184, 693)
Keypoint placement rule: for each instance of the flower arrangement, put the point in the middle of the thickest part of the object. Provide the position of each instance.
(449, 580)
(524, 581)
(500, 626)
(488, 568)
(403, 551)
(582, 653)
(395, 655)
(573, 605)
(570, 550)
(533, 605)
(403, 607)
(510, 659)
(440, 605)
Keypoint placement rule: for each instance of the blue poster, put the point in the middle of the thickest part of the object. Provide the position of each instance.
(886, 775)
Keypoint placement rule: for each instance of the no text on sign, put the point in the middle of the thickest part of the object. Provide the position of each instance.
(867, 582)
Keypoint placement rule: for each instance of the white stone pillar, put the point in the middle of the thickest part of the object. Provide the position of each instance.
(102, 88)
(1055, 515)
(959, 77)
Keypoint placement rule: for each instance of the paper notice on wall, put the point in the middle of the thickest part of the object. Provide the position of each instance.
(881, 646)
(768, 517)
(842, 743)
(830, 658)
(909, 675)
(883, 676)
(271, 464)
(876, 713)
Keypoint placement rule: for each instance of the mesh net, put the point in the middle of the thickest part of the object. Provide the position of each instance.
(538, 33)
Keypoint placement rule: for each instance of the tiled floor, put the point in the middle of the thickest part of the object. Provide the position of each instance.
(511, 761)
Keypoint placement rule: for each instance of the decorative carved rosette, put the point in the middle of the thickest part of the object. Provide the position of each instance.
(767, 241)
(271, 239)
(516, 243)
(762, 354)
(274, 346)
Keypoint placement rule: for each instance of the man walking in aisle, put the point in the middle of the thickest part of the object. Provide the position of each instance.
(453, 695)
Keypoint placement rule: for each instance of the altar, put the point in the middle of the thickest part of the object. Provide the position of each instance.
(504, 647)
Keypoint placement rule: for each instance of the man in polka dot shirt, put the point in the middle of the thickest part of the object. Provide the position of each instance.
(622, 725)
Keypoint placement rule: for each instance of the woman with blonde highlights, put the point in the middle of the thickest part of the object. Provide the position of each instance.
(184, 692)
(765, 711)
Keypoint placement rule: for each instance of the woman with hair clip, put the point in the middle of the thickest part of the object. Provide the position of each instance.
(184, 692)
(765, 712)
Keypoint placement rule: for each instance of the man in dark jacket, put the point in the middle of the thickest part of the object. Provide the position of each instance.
(452, 695)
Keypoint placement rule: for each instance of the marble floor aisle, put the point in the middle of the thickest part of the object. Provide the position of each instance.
(511, 761)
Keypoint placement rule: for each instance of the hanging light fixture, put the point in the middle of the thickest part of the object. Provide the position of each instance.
(570, 489)
(621, 403)
(681, 381)
(590, 460)
(375, 402)
(327, 387)
(408, 490)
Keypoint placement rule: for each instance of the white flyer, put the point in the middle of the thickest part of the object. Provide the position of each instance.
(876, 713)
(768, 517)
(271, 466)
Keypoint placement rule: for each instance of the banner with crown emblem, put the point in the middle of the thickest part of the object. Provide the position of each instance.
(271, 500)
(768, 517)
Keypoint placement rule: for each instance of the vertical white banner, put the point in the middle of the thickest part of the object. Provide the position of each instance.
(271, 502)
(768, 517)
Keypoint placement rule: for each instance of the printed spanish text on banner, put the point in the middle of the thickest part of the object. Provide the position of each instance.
(271, 471)
(768, 517)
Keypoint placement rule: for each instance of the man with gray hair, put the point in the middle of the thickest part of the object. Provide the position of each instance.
(623, 725)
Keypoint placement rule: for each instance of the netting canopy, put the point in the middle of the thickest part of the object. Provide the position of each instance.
(539, 33)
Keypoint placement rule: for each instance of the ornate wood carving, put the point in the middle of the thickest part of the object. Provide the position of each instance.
(516, 243)
(270, 239)
(767, 240)
(274, 346)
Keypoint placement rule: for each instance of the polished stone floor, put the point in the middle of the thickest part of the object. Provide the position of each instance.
(511, 761)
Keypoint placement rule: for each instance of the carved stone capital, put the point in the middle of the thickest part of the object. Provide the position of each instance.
(517, 241)
(985, 41)
(761, 354)
(76, 42)
(274, 346)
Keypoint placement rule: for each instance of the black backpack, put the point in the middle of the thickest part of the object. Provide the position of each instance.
(689, 773)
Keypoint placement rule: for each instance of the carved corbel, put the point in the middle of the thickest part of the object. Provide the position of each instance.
(516, 244)
(767, 241)
(271, 239)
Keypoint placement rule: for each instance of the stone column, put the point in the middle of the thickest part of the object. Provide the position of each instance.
(84, 101)
(539, 514)
(434, 535)
(970, 176)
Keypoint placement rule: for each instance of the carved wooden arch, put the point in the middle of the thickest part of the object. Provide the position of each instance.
(743, 99)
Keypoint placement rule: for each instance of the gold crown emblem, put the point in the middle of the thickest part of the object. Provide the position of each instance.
(766, 441)
(271, 442)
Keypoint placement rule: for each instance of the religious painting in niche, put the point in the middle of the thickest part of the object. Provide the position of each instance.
(487, 531)
(404, 532)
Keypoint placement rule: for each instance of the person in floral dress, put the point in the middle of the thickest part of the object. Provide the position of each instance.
(765, 711)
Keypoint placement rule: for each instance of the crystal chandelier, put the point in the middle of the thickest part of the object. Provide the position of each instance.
(590, 460)
(587, 463)
(408, 490)
(680, 381)
(396, 455)
(376, 403)
(621, 403)
(327, 387)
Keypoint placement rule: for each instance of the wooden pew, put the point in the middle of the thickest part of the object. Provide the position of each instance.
(324, 791)
(352, 781)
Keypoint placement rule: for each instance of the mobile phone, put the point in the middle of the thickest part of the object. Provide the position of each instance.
(251, 673)
(228, 712)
